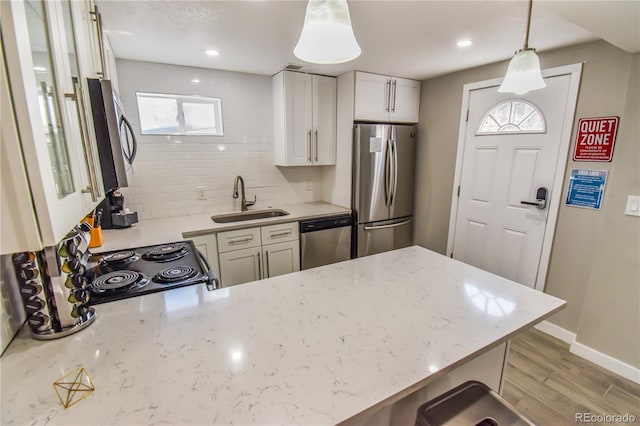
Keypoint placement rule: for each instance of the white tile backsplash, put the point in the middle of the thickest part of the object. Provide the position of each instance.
(168, 169)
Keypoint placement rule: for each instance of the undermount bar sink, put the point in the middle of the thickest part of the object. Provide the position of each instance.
(257, 214)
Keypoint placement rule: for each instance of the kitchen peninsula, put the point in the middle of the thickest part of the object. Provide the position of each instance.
(321, 346)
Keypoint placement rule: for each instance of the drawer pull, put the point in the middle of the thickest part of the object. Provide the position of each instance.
(240, 240)
(280, 234)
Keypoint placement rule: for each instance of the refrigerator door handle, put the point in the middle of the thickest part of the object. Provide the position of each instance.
(387, 173)
(391, 225)
(394, 159)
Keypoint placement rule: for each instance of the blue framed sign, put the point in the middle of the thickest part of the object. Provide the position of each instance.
(586, 188)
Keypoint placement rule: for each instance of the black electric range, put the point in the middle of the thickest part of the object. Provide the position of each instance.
(122, 274)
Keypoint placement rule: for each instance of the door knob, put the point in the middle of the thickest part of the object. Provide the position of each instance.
(541, 199)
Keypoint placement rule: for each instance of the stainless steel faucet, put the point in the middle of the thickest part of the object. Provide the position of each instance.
(243, 202)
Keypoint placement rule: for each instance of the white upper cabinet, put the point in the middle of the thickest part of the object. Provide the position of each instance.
(382, 98)
(89, 23)
(304, 110)
(55, 140)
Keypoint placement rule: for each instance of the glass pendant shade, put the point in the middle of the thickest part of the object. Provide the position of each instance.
(327, 36)
(523, 73)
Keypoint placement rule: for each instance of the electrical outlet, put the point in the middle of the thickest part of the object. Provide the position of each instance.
(202, 192)
(308, 185)
(633, 205)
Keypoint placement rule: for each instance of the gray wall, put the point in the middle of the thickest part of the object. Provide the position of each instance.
(595, 259)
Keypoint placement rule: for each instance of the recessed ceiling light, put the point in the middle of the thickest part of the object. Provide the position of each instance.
(464, 43)
(39, 69)
(212, 52)
(195, 81)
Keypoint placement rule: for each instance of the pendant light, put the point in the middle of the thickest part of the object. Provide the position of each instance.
(523, 73)
(327, 36)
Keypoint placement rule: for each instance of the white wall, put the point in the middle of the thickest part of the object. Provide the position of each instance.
(168, 168)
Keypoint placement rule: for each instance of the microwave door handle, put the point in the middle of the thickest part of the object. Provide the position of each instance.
(132, 149)
(126, 148)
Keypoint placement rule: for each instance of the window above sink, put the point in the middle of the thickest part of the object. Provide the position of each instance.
(164, 114)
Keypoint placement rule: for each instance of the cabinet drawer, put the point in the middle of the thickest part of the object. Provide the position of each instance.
(279, 233)
(238, 239)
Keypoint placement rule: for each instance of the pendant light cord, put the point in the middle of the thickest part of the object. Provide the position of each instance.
(526, 34)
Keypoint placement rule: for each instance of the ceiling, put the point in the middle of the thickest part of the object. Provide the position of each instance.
(413, 39)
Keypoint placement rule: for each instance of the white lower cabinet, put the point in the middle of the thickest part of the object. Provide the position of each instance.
(254, 253)
(280, 258)
(240, 266)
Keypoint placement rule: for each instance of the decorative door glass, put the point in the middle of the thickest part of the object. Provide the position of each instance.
(512, 116)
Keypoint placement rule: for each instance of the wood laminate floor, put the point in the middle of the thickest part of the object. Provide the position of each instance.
(550, 385)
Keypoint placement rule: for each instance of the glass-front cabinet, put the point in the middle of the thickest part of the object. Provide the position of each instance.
(44, 46)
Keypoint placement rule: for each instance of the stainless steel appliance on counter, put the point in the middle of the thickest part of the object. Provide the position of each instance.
(325, 240)
(383, 185)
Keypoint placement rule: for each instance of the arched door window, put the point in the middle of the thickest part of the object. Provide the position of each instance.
(512, 116)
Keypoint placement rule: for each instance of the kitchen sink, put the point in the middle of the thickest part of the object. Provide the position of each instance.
(252, 215)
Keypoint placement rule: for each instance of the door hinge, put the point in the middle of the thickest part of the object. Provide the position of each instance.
(467, 119)
(458, 191)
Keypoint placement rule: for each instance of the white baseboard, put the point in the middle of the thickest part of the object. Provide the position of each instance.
(603, 360)
(556, 331)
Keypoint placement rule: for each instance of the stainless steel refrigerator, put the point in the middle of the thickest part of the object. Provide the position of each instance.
(383, 183)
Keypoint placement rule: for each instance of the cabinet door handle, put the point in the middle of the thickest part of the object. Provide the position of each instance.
(393, 107)
(266, 261)
(316, 132)
(259, 267)
(387, 95)
(89, 156)
(280, 234)
(240, 240)
(309, 144)
(97, 17)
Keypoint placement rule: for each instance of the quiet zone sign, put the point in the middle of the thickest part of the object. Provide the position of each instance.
(595, 139)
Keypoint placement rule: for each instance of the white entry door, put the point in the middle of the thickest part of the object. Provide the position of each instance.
(511, 155)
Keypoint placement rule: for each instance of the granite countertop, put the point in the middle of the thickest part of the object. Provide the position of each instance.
(166, 230)
(312, 347)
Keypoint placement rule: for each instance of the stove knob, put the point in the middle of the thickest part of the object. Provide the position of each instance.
(38, 320)
(33, 305)
(30, 289)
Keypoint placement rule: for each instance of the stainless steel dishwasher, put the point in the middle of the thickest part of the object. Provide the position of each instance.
(325, 240)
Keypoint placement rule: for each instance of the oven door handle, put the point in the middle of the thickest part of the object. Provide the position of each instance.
(212, 283)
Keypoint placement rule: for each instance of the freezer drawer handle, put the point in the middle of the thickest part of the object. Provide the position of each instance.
(392, 225)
